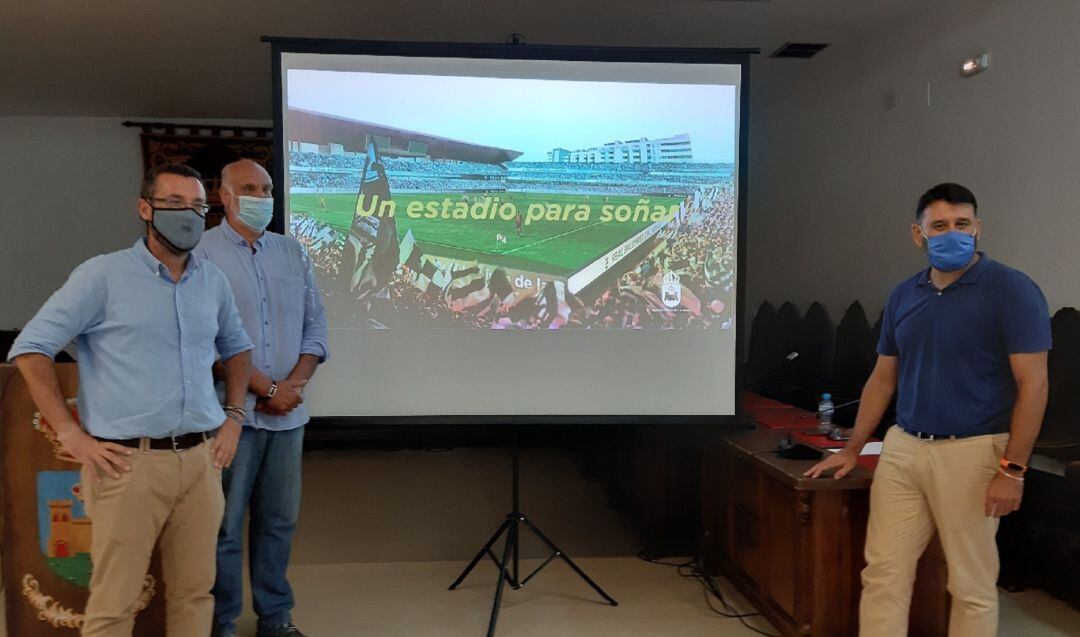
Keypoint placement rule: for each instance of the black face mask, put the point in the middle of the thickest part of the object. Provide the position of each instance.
(181, 228)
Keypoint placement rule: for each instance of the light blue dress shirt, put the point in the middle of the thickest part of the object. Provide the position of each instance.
(279, 304)
(146, 345)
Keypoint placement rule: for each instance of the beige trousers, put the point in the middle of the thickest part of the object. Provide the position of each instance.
(920, 486)
(172, 496)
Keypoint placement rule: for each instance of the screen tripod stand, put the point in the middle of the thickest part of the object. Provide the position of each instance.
(509, 566)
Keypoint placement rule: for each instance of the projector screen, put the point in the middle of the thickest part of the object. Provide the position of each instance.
(517, 232)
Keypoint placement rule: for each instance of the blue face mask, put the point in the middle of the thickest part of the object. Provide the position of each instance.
(255, 212)
(951, 251)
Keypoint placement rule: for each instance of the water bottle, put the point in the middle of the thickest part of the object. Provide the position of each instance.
(825, 414)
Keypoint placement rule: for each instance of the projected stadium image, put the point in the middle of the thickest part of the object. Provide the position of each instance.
(536, 204)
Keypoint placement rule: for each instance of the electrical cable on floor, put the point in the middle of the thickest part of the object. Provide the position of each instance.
(693, 568)
(439, 449)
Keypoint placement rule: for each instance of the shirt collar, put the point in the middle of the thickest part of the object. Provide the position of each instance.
(147, 257)
(971, 277)
(235, 238)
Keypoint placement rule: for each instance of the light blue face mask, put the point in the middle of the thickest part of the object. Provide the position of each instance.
(950, 251)
(255, 212)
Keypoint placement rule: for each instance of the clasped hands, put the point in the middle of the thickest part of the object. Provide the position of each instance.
(289, 395)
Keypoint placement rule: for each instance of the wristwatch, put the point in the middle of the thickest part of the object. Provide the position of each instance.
(273, 390)
(1013, 466)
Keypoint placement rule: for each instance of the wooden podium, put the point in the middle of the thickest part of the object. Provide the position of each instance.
(46, 534)
(794, 546)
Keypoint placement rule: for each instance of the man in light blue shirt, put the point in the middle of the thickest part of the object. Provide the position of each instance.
(274, 284)
(148, 322)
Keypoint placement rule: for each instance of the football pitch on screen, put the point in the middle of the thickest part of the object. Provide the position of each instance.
(560, 247)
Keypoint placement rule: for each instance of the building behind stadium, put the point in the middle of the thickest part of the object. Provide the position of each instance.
(638, 151)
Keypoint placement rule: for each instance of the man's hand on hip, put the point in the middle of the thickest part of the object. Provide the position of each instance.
(1003, 495)
(225, 442)
(97, 456)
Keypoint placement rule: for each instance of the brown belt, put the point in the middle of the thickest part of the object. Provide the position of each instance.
(172, 443)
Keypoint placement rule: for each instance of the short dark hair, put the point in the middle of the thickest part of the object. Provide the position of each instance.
(150, 178)
(950, 192)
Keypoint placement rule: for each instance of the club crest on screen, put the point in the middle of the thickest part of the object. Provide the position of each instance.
(671, 290)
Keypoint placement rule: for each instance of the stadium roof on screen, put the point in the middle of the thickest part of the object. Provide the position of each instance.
(322, 128)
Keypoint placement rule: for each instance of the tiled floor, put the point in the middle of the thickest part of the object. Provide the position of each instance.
(382, 535)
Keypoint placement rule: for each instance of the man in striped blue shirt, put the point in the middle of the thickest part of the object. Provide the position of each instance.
(148, 322)
(274, 284)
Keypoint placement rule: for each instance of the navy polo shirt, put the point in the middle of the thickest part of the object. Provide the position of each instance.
(953, 347)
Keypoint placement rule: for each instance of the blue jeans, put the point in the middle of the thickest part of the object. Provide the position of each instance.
(265, 477)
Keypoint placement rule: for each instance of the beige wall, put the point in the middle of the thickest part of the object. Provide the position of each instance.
(69, 187)
(835, 176)
(68, 191)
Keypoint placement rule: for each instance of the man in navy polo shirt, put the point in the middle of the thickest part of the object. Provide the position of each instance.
(963, 345)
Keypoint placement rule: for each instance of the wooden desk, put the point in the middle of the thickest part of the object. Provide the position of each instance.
(794, 546)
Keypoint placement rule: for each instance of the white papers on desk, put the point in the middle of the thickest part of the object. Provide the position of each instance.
(869, 449)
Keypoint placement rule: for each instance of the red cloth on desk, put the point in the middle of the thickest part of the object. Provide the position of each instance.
(793, 418)
(775, 415)
(754, 402)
